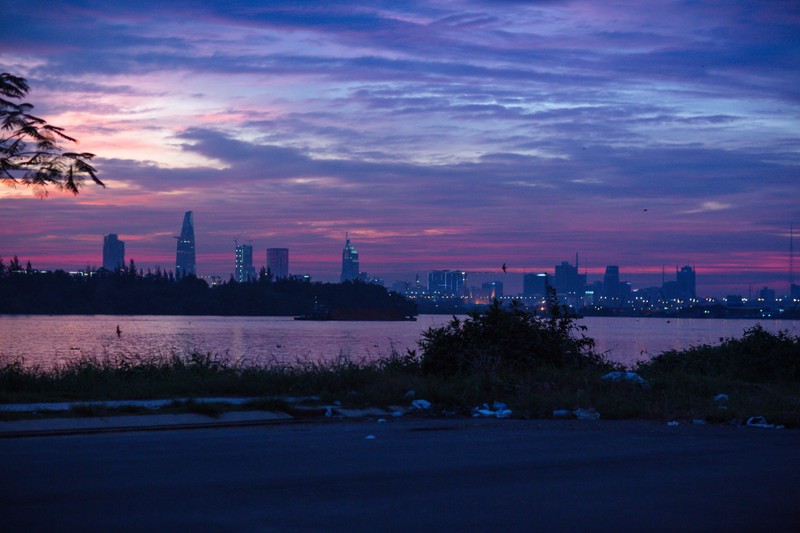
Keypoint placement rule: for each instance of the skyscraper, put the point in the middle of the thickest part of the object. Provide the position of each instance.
(278, 262)
(113, 252)
(611, 286)
(349, 261)
(535, 284)
(447, 282)
(686, 278)
(185, 258)
(244, 270)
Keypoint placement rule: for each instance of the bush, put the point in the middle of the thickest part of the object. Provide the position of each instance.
(758, 357)
(507, 339)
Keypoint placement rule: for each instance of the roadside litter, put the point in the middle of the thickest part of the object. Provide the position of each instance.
(673, 423)
(580, 413)
(627, 377)
(721, 400)
(761, 422)
(421, 404)
(586, 414)
(498, 410)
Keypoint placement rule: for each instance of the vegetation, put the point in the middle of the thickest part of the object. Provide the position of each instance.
(533, 364)
(131, 291)
(30, 148)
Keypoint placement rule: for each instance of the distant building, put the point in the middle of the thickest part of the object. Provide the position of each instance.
(278, 262)
(492, 289)
(244, 271)
(766, 296)
(447, 282)
(687, 285)
(535, 284)
(185, 262)
(349, 262)
(113, 252)
(569, 283)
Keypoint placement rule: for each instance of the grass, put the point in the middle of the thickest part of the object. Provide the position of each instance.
(759, 373)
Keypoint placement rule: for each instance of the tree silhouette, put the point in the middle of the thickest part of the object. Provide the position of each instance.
(30, 151)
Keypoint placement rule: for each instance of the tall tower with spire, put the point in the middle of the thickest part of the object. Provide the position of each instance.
(349, 261)
(185, 258)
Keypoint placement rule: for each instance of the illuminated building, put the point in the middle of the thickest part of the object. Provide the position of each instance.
(185, 262)
(447, 282)
(244, 270)
(349, 262)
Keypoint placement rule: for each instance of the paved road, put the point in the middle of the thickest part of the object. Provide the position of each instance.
(456, 475)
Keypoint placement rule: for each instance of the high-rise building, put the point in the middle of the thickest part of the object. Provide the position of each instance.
(278, 262)
(447, 282)
(686, 279)
(569, 283)
(113, 252)
(244, 271)
(535, 284)
(349, 261)
(492, 289)
(611, 285)
(185, 262)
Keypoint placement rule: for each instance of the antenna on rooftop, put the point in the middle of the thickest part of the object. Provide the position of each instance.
(791, 256)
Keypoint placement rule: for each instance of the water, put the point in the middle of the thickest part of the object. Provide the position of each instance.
(51, 340)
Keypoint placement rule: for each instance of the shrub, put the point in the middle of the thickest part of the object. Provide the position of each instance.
(758, 357)
(507, 339)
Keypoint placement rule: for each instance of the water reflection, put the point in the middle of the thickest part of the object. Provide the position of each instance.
(50, 340)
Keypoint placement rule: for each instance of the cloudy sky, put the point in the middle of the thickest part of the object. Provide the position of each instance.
(441, 134)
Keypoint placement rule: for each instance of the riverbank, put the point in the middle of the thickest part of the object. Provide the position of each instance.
(503, 360)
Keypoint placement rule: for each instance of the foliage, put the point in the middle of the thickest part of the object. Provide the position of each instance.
(128, 291)
(758, 357)
(507, 338)
(30, 151)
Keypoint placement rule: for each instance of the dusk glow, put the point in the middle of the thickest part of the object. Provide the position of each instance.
(441, 135)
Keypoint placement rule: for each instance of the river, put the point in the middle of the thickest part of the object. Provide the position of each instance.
(50, 340)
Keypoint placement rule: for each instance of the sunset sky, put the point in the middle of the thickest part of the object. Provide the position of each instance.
(441, 134)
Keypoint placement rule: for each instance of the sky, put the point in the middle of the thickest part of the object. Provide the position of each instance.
(451, 134)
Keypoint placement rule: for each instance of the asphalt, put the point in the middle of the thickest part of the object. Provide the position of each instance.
(406, 474)
(52, 419)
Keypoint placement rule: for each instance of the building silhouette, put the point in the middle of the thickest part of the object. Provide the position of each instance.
(349, 262)
(244, 271)
(569, 284)
(278, 262)
(535, 284)
(687, 284)
(447, 282)
(113, 252)
(185, 262)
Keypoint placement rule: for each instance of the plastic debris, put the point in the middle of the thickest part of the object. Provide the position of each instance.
(381, 421)
(421, 404)
(721, 401)
(673, 423)
(586, 414)
(399, 412)
(329, 412)
(371, 437)
(698, 422)
(410, 393)
(761, 422)
(562, 412)
(498, 410)
(629, 377)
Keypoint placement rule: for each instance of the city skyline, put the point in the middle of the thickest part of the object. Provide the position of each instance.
(458, 135)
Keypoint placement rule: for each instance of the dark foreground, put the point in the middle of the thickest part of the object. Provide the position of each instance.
(476, 475)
